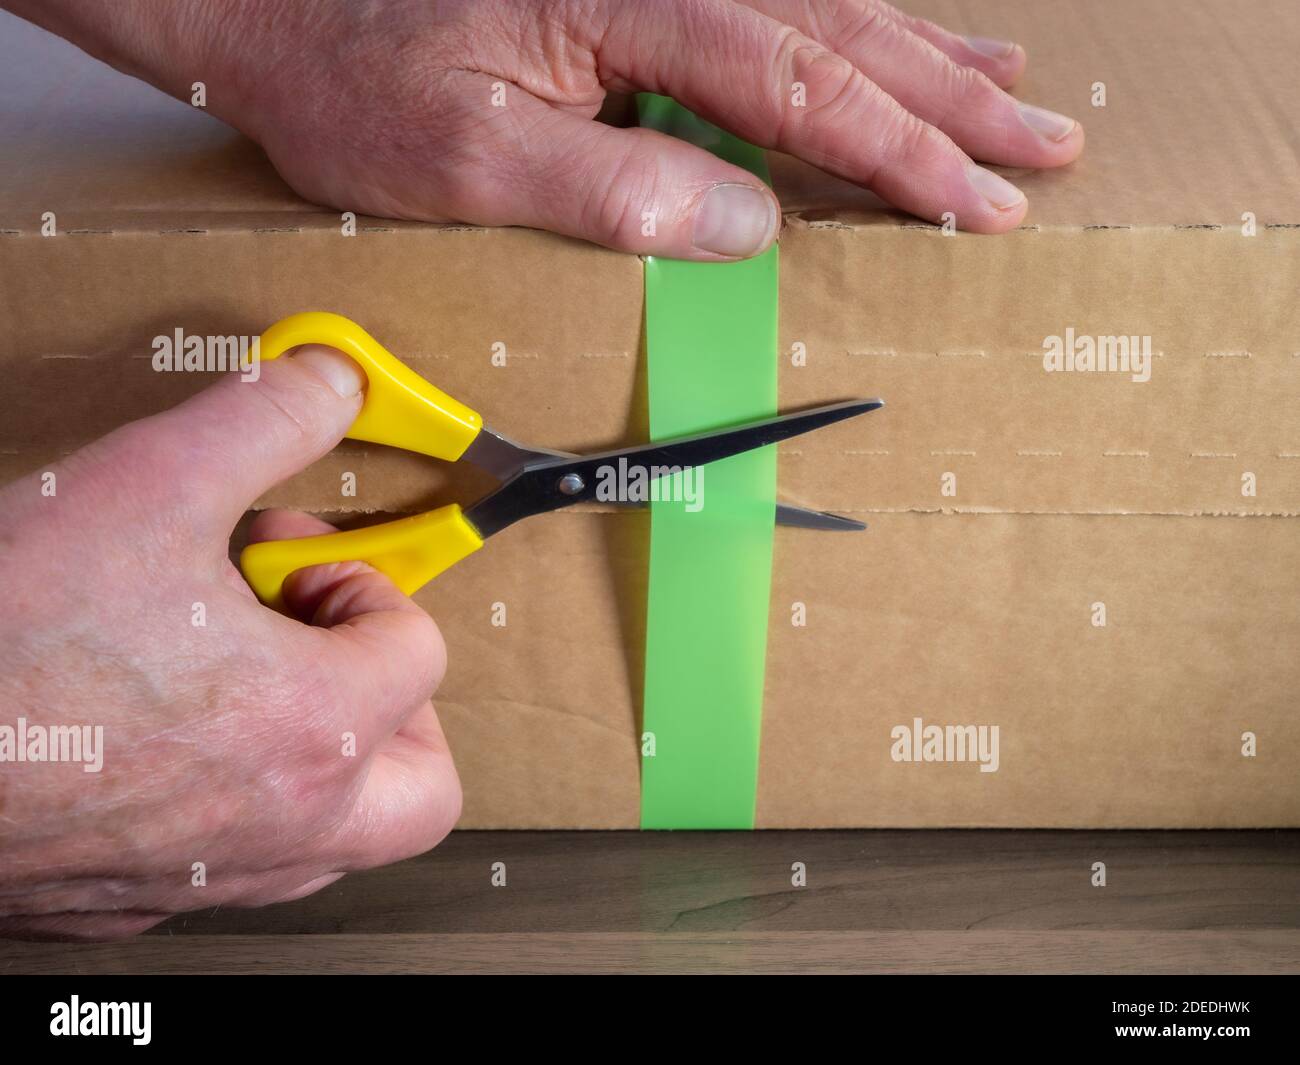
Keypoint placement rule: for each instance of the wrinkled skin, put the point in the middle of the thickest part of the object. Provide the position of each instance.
(388, 108)
(223, 743)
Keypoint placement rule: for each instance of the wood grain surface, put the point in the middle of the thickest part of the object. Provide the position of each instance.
(896, 901)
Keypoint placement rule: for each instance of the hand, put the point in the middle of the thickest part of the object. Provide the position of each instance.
(391, 109)
(224, 743)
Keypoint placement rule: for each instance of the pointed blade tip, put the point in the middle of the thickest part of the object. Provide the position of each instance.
(817, 520)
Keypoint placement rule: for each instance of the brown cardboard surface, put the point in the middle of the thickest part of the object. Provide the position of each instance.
(1070, 488)
(955, 618)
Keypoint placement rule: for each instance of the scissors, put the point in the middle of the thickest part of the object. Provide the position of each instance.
(402, 409)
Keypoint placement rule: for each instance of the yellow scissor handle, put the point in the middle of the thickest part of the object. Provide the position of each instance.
(412, 551)
(401, 408)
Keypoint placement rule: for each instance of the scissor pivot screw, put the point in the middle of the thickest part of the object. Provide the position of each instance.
(572, 483)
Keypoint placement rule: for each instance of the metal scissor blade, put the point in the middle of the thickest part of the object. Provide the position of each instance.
(699, 449)
(802, 518)
(503, 457)
(559, 480)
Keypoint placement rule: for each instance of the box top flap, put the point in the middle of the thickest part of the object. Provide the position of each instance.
(1180, 140)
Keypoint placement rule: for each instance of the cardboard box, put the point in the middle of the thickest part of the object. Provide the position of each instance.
(1181, 223)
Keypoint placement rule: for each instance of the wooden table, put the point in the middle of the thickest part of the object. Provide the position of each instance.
(878, 901)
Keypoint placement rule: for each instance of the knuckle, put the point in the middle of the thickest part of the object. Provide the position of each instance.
(281, 387)
(925, 28)
(567, 34)
(449, 810)
(427, 657)
(612, 209)
(866, 27)
(832, 88)
(904, 139)
(444, 811)
(356, 594)
(413, 643)
(379, 838)
(971, 91)
(480, 164)
(431, 651)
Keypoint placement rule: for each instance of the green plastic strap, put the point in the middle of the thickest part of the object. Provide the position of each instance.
(711, 342)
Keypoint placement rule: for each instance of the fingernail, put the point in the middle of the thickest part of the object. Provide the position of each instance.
(1047, 123)
(997, 190)
(735, 220)
(991, 46)
(333, 367)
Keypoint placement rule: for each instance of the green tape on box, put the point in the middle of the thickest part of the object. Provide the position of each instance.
(711, 343)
